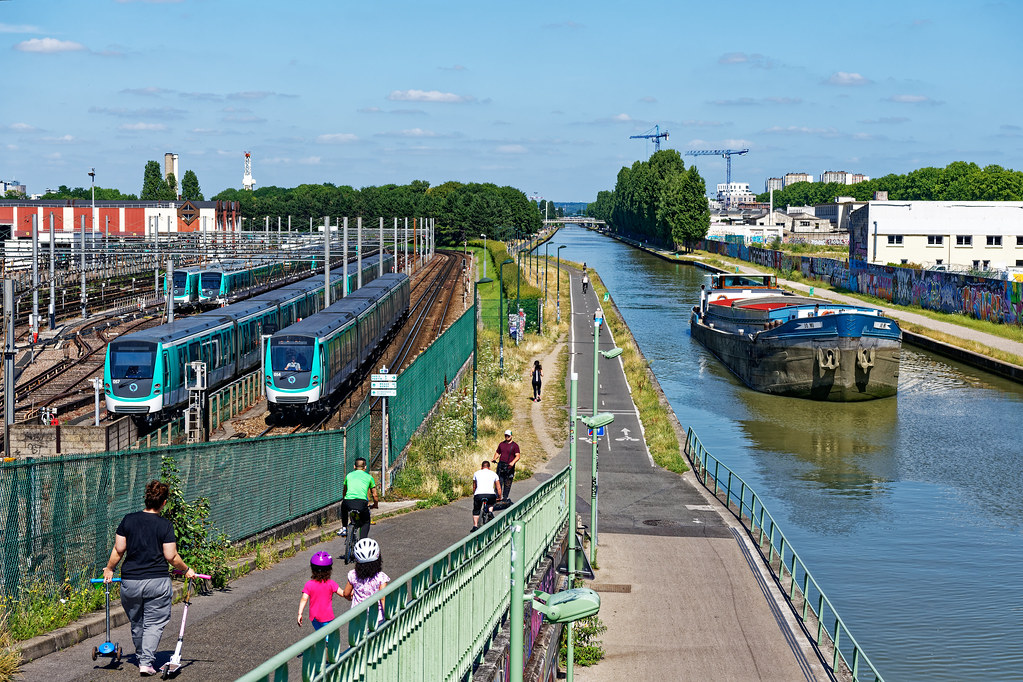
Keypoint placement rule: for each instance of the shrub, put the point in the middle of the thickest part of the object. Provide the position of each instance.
(201, 546)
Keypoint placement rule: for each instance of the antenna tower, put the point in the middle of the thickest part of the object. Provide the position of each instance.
(247, 181)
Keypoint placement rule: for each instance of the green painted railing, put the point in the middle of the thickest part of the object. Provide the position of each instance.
(439, 617)
(806, 597)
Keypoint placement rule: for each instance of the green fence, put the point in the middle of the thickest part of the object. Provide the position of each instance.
(814, 609)
(423, 382)
(60, 513)
(441, 616)
(489, 313)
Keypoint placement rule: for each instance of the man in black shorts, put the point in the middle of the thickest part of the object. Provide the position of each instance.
(486, 488)
(507, 458)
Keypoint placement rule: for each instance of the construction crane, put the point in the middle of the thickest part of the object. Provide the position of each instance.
(654, 134)
(727, 153)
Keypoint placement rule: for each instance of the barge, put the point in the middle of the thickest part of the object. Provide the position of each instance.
(782, 343)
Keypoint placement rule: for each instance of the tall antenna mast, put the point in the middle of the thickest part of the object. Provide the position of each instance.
(247, 181)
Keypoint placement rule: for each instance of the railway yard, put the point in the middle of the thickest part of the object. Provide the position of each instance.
(56, 376)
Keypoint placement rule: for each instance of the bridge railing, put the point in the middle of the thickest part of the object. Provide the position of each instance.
(808, 601)
(440, 617)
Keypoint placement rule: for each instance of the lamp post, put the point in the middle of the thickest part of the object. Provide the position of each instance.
(545, 257)
(485, 256)
(557, 253)
(518, 277)
(475, 346)
(611, 353)
(500, 309)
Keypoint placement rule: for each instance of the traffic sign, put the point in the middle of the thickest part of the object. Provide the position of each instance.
(383, 377)
(383, 393)
(606, 296)
(383, 384)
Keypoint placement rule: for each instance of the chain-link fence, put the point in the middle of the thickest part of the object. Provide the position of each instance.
(490, 313)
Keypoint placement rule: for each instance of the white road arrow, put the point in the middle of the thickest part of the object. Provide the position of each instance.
(625, 436)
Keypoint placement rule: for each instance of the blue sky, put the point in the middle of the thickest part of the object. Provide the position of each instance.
(538, 95)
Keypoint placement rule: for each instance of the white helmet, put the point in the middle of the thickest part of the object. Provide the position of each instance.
(366, 550)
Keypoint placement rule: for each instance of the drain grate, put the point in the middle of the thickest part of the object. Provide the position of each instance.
(612, 587)
(652, 522)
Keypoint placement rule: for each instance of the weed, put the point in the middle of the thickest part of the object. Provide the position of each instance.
(43, 606)
(201, 546)
(587, 645)
(10, 657)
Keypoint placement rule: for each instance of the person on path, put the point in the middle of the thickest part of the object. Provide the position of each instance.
(507, 457)
(319, 592)
(359, 485)
(486, 488)
(586, 282)
(368, 576)
(537, 380)
(146, 542)
(598, 321)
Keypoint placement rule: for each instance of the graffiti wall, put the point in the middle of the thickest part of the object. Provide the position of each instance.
(993, 300)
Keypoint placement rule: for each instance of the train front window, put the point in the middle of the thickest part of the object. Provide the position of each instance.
(211, 280)
(291, 354)
(180, 279)
(132, 360)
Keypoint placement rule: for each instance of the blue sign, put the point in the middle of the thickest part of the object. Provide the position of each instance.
(600, 432)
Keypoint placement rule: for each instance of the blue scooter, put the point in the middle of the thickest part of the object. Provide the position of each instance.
(107, 648)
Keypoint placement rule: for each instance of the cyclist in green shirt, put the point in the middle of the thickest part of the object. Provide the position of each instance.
(359, 485)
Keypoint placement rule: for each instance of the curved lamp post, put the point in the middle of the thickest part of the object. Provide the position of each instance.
(557, 252)
(545, 264)
(608, 354)
(485, 256)
(500, 308)
(475, 345)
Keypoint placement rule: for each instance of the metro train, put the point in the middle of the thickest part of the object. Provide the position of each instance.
(222, 283)
(186, 286)
(144, 373)
(309, 361)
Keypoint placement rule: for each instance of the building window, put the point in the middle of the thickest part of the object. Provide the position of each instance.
(895, 239)
(905, 261)
(1019, 241)
(935, 240)
(964, 240)
(976, 265)
(994, 240)
(987, 264)
(1019, 263)
(940, 261)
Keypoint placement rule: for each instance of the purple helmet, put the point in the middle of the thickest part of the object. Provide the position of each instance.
(321, 559)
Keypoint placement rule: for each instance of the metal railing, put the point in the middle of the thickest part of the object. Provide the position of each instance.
(816, 612)
(440, 617)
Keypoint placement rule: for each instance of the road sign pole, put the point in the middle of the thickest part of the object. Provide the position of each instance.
(383, 449)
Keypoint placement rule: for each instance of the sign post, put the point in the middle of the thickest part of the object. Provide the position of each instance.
(384, 386)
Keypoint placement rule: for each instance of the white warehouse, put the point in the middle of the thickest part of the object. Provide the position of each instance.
(977, 235)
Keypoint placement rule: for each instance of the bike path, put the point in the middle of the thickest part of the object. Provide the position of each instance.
(683, 593)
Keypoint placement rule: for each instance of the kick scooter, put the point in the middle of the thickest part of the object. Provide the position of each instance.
(172, 666)
(107, 648)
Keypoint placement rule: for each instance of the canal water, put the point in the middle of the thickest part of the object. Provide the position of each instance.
(908, 510)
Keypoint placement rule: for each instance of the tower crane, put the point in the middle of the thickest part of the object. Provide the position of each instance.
(654, 134)
(727, 153)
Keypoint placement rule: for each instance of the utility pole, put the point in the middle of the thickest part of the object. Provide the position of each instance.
(326, 260)
(35, 278)
(358, 252)
(83, 269)
(53, 285)
(8, 333)
(380, 251)
(344, 258)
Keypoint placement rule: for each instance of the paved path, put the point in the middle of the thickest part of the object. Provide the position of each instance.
(699, 605)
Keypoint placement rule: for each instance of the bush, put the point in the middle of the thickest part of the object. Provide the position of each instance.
(201, 546)
(588, 647)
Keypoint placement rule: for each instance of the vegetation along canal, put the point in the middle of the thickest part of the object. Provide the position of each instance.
(906, 509)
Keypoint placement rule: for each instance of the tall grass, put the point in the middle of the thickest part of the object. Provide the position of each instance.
(10, 657)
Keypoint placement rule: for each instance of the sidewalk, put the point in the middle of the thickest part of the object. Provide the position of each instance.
(684, 594)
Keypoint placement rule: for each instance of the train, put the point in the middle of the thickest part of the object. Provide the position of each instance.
(307, 363)
(144, 373)
(225, 282)
(186, 286)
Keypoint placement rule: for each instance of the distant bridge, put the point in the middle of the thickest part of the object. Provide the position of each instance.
(585, 221)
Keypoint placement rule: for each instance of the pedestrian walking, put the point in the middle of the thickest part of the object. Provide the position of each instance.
(368, 576)
(537, 380)
(319, 591)
(508, 455)
(146, 542)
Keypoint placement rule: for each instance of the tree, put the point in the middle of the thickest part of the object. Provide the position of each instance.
(190, 190)
(171, 193)
(683, 208)
(153, 185)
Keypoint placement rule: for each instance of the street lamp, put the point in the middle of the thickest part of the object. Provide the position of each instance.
(500, 308)
(545, 263)
(518, 278)
(608, 354)
(475, 346)
(485, 256)
(557, 252)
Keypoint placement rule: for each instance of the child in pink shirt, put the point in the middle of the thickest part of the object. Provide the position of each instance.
(319, 591)
(367, 577)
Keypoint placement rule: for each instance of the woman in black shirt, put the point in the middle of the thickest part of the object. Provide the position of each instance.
(146, 541)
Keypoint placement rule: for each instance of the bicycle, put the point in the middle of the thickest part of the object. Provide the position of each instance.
(354, 523)
(486, 512)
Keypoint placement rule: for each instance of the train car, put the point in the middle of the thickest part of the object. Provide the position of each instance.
(224, 283)
(186, 287)
(310, 361)
(145, 371)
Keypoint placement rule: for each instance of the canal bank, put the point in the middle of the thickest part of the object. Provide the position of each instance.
(889, 502)
(958, 353)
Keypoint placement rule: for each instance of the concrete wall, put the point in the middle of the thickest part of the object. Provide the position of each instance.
(31, 440)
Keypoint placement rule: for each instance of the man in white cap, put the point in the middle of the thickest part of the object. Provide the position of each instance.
(507, 457)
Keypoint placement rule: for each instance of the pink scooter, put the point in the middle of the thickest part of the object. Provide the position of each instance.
(172, 666)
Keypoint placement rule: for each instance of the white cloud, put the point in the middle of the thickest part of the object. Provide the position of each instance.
(148, 92)
(416, 132)
(702, 124)
(309, 161)
(648, 100)
(49, 46)
(18, 28)
(754, 59)
(803, 130)
(428, 96)
(142, 127)
(511, 149)
(621, 117)
(62, 138)
(337, 138)
(251, 94)
(22, 128)
(846, 78)
(912, 99)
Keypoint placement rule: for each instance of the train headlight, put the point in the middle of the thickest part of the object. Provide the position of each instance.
(269, 381)
(316, 381)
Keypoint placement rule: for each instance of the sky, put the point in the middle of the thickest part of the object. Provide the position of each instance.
(542, 96)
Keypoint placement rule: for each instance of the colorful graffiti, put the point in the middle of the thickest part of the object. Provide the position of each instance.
(993, 300)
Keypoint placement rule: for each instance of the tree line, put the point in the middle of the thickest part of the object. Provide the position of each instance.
(958, 181)
(462, 211)
(658, 200)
